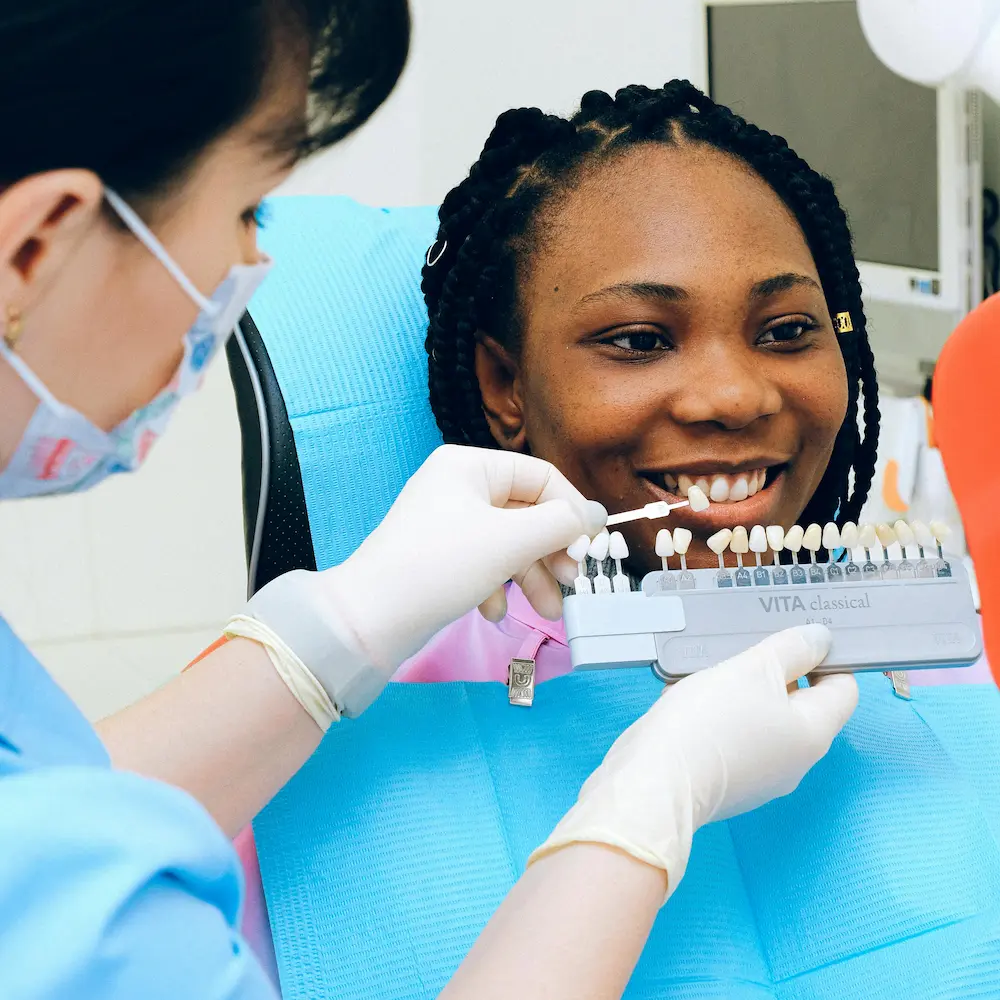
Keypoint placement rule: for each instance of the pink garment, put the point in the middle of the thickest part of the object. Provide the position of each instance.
(473, 649)
(256, 925)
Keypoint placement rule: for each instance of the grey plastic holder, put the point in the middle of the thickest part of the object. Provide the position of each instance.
(879, 621)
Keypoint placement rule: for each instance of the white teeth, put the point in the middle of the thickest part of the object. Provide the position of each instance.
(905, 535)
(940, 530)
(719, 488)
(617, 546)
(922, 534)
(758, 538)
(697, 499)
(682, 539)
(740, 542)
(578, 550)
(599, 547)
(664, 543)
(813, 538)
(793, 538)
(831, 537)
(719, 542)
(849, 536)
(776, 537)
(867, 536)
(886, 536)
(719, 491)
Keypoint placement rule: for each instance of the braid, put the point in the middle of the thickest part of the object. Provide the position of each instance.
(477, 219)
(485, 230)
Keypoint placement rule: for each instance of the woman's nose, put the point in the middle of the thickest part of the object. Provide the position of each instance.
(250, 251)
(730, 389)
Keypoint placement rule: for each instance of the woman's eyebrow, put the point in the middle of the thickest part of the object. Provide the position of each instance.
(648, 290)
(782, 283)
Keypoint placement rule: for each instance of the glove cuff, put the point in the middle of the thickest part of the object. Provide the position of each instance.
(294, 609)
(668, 849)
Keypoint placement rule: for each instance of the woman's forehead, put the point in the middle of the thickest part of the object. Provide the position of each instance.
(685, 215)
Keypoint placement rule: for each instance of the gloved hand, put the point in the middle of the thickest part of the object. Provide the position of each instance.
(718, 743)
(468, 521)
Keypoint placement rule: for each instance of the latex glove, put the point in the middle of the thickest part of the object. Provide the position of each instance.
(718, 743)
(468, 521)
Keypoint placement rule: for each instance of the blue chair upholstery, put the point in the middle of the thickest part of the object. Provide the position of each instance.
(331, 379)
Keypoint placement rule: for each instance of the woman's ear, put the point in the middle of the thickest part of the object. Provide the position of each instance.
(499, 383)
(42, 221)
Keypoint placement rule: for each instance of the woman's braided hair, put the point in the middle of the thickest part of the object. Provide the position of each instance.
(487, 223)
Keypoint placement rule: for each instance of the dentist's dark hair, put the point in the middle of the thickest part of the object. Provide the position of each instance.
(489, 227)
(135, 90)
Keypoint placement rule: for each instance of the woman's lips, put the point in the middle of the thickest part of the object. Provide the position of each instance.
(753, 510)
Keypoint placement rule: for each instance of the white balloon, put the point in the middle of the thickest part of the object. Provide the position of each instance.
(927, 41)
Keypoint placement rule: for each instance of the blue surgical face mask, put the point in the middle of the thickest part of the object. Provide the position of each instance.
(62, 451)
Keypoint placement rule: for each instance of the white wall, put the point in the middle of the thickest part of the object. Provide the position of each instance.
(116, 590)
(471, 61)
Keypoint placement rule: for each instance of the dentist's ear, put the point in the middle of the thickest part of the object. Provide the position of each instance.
(43, 220)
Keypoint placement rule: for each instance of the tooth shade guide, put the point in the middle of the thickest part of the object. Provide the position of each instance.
(718, 543)
(598, 550)
(849, 539)
(812, 540)
(831, 538)
(697, 499)
(651, 512)
(886, 536)
(776, 540)
(578, 550)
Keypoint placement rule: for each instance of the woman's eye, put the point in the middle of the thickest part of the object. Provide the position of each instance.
(257, 216)
(640, 341)
(786, 333)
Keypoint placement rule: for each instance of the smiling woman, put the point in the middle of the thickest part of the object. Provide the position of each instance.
(650, 295)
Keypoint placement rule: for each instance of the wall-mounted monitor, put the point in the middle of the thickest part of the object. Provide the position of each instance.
(905, 158)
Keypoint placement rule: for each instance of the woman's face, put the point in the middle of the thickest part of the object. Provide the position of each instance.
(103, 320)
(673, 331)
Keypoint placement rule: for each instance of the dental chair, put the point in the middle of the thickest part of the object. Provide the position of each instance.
(274, 502)
(879, 878)
(357, 361)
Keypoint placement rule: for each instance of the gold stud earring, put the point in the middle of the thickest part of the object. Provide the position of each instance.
(13, 327)
(843, 323)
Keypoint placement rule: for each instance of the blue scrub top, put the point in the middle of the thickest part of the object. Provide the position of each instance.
(111, 885)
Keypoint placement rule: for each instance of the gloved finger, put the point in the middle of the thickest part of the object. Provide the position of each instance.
(562, 567)
(494, 607)
(825, 706)
(541, 589)
(525, 479)
(527, 535)
(793, 653)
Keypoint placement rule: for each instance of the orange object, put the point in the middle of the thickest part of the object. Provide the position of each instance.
(890, 488)
(967, 430)
(218, 644)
